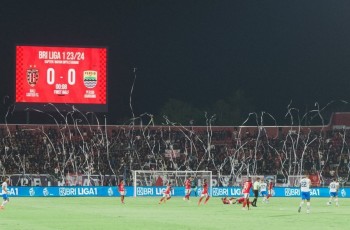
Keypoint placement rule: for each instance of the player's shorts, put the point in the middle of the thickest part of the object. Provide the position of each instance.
(204, 194)
(5, 196)
(122, 193)
(305, 195)
(187, 191)
(166, 194)
(263, 193)
(333, 194)
(246, 195)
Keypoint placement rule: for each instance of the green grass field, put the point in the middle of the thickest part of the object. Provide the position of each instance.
(145, 213)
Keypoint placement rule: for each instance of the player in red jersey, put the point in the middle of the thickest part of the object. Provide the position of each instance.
(226, 200)
(204, 193)
(233, 200)
(121, 190)
(270, 190)
(246, 189)
(241, 200)
(187, 189)
(166, 194)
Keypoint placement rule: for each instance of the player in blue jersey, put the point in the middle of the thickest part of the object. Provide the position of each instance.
(263, 191)
(333, 192)
(305, 184)
(4, 193)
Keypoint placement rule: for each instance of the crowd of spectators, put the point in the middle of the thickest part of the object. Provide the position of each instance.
(59, 150)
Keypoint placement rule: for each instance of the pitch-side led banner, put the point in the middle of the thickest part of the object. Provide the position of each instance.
(65, 75)
(105, 191)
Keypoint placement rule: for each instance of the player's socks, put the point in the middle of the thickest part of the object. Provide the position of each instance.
(301, 204)
(4, 203)
(248, 203)
(206, 200)
(308, 207)
(244, 203)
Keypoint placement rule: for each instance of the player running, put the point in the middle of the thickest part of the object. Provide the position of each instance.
(5, 197)
(166, 194)
(187, 189)
(121, 190)
(204, 193)
(246, 189)
(305, 184)
(333, 192)
(263, 191)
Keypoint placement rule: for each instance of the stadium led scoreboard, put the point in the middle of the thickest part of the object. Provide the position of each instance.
(61, 76)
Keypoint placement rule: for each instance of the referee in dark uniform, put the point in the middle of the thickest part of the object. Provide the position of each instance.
(256, 187)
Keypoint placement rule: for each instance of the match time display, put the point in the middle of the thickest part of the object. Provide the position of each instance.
(66, 75)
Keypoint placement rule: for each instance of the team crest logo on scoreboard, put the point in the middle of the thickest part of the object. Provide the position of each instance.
(32, 76)
(90, 78)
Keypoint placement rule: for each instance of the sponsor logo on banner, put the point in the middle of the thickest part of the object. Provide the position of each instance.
(220, 192)
(292, 192)
(79, 191)
(31, 192)
(110, 192)
(45, 192)
(225, 191)
(315, 192)
(343, 193)
(32, 76)
(67, 192)
(87, 191)
(143, 191)
(12, 191)
(296, 192)
(90, 78)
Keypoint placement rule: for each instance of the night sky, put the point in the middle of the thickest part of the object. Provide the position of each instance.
(194, 51)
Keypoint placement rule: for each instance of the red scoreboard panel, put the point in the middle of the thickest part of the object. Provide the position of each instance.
(61, 75)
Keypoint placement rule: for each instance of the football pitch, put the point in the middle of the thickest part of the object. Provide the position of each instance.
(146, 213)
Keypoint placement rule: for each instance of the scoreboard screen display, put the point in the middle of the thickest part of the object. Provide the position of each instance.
(61, 75)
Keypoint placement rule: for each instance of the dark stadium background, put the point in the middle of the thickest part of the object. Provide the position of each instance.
(214, 56)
